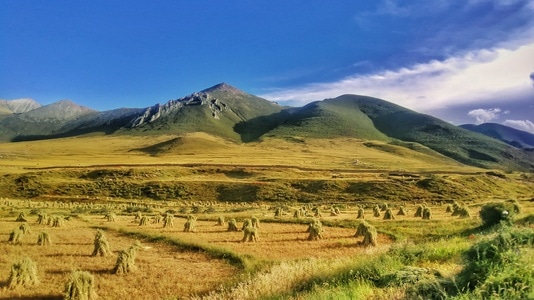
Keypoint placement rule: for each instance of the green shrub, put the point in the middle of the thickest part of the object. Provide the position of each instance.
(495, 213)
(494, 264)
(80, 286)
(23, 273)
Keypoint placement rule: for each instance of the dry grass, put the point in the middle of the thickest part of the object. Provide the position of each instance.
(278, 241)
(72, 251)
(101, 150)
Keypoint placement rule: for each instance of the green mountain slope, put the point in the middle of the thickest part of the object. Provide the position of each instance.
(375, 119)
(220, 110)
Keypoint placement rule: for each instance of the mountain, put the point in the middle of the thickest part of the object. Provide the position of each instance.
(225, 112)
(509, 135)
(17, 106)
(376, 119)
(220, 110)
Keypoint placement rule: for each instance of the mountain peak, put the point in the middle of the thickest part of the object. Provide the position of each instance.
(19, 105)
(223, 87)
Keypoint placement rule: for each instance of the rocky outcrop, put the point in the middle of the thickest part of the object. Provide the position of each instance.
(155, 112)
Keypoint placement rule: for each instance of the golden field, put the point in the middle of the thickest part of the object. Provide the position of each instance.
(82, 179)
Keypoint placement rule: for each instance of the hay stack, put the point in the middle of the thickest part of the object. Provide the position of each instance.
(111, 217)
(15, 236)
(80, 286)
(101, 244)
(221, 221)
(315, 229)
(190, 224)
(168, 221)
(21, 218)
(126, 259)
(376, 211)
(250, 234)
(402, 211)
(255, 222)
(388, 215)
(23, 273)
(361, 212)
(232, 225)
(25, 228)
(427, 214)
(143, 221)
(368, 232)
(43, 239)
(419, 211)
(42, 219)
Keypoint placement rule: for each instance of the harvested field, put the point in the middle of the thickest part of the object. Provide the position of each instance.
(278, 241)
(162, 270)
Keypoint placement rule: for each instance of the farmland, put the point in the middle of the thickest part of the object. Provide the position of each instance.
(97, 183)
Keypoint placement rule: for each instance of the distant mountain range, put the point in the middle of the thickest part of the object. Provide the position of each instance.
(511, 136)
(227, 112)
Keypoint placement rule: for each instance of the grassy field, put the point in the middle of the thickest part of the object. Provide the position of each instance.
(110, 183)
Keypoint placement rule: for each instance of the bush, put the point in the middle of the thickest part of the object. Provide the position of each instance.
(80, 286)
(494, 265)
(495, 213)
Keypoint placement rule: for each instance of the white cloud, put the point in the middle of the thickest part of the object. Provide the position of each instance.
(475, 77)
(485, 115)
(525, 125)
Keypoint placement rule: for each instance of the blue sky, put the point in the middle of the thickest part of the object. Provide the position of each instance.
(465, 61)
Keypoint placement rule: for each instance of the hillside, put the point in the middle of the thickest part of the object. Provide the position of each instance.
(227, 113)
(376, 119)
(220, 110)
(509, 135)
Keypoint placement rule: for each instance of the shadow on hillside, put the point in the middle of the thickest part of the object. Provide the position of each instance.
(253, 129)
